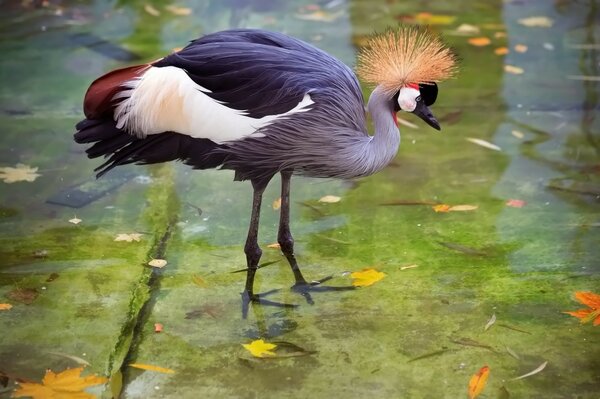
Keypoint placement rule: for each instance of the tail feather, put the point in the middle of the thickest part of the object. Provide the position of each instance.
(122, 148)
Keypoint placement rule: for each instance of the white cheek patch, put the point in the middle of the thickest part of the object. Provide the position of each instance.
(407, 99)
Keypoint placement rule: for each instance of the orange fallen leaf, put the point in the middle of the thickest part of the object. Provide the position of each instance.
(478, 381)
(441, 208)
(521, 48)
(515, 203)
(158, 327)
(501, 51)
(479, 41)
(593, 302)
(366, 277)
(66, 384)
(5, 306)
(150, 367)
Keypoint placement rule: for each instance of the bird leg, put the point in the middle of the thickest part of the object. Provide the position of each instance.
(253, 251)
(286, 242)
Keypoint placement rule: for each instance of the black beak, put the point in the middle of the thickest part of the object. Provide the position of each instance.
(423, 112)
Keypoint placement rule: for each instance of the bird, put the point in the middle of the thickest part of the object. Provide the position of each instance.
(263, 103)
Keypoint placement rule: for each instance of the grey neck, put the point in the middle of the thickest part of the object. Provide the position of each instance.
(384, 144)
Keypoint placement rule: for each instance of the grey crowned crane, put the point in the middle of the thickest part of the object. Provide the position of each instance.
(262, 103)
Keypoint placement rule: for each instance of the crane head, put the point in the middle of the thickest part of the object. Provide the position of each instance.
(417, 99)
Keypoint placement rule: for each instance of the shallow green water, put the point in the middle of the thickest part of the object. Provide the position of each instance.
(419, 332)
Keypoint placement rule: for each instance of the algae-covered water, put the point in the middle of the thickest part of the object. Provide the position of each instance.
(78, 295)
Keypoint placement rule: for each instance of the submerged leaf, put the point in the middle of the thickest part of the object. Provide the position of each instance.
(277, 203)
(490, 322)
(534, 372)
(478, 381)
(159, 263)
(20, 172)
(409, 267)
(151, 10)
(199, 281)
(75, 220)
(260, 348)
(512, 353)
(128, 237)
(515, 203)
(179, 11)
(521, 48)
(330, 199)
(515, 70)
(434, 19)
(5, 306)
(158, 327)
(462, 208)
(467, 29)
(150, 367)
(366, 277)
(76, 359)
(517, 134)
(501, 51)
(66, 384)
(484, 143)
(541, 21)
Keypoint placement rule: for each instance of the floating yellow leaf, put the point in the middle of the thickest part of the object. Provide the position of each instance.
(151, 10)
(366, 277)
(592, 301)
(180, 11)
(462, 208)
(434, 19)
(479, 41)
(499, 35)
(543, 22)
(521, 48)
(66, 384)
(5, 306)
(128, 237)
(441, 208)
(75, 220)
(277, 203)
(501, 51)
(478, 381)
(159, 263)
(330, 199)
(20, 172)
(275, 245)
(150, 367)
(260, 348)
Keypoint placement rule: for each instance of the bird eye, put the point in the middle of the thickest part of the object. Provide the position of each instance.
(418, 99)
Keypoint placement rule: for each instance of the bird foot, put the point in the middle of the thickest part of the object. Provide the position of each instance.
(248, 298)
(304, 288)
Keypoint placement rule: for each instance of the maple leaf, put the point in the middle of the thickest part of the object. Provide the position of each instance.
(593, 302)
(67, 384)
(260, 348)
(478, 381)
(366, 277)
(20, 172)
